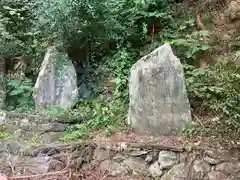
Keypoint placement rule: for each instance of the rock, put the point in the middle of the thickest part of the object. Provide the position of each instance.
(183, 157)
(229, 167)
(32, 164)
(155, 170)
(17, 134)
(200, 168)
(12, 147)
(114, 168)
(149, 158)
(137, 166)
(2, 84)
(85, 92)
(136, 153)
(215, 175)
(234, 10)
(176, 173)
(119, 158)
(52, 127)
(2, 118)
(25, 124)
(51, 137)
(212, 161)
(101, 155)
(223, 155)
(167, 159)
(158, 97)
(56, 85)
(55, 165)
(23, 134)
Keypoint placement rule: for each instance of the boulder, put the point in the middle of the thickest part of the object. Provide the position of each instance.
(167, 159)
(177, 172)
(113, 168)
(2, 84)
(137, 166)
(56, 85)
(155, 170)
(158, 97)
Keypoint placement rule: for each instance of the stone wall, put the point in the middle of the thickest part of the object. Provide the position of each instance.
(118, 159)
(25, 127)
(126, 163)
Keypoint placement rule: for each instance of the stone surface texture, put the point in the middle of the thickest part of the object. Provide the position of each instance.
(158, 97)
(56, 85)
(2, 84)
(167, 159)
(28, 153)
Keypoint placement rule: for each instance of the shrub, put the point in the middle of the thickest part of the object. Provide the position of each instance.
(19, 94)
(218, 90)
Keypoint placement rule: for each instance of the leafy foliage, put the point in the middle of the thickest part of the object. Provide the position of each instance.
(15, 25)
(217, 89)
(116, 34)
(110, 116)
(19, 94)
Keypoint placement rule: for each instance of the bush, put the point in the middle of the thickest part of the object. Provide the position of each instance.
(15, 25)
(96, 115)
(19, 94)
(217, 89)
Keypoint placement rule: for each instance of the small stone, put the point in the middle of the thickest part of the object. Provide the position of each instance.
(51, 137)
(119, 157)
(18, 133)
(167, 159)
(229, 167)
(223, 155)
(149, 158)
(3, 118)
(215, 175)
(212, 161)
(55, 165)
(137, 166)
(200, 168)
(183, 157)
(136, 153)
(54, 127)
(155, 170)
(177, 172)
(12, 147)
(24, 124)
(101, 155)
(114, 168)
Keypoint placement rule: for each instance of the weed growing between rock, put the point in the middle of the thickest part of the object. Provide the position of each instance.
(5, 135)
(96, 115)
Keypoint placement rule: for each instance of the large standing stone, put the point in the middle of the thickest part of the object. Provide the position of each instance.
(158, 97)
(2, 84)
(56, 85)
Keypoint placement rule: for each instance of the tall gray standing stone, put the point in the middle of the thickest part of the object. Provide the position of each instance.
(2, 83)
(158, 97)
(56, 85)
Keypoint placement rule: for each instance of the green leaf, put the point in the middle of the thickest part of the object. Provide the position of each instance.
(12, 12)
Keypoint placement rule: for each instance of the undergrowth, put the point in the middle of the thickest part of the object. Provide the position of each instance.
(216, 90)
(97, 115)
(18, 93)
(116, 35)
